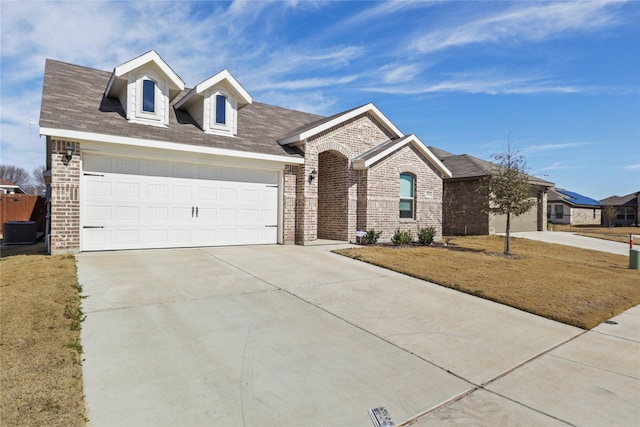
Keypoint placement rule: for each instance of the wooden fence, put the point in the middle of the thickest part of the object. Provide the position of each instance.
(23, 207)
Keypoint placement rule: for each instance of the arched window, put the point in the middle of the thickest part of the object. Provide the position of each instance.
(148, 96)
(221, 110)
(407, 201)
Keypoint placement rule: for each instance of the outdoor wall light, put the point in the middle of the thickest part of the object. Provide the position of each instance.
(313, 175)
(69, 153)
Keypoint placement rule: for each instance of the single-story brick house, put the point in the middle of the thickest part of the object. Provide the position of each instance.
(627, 211)
(463, 199)
(136, 160)
(568, 207)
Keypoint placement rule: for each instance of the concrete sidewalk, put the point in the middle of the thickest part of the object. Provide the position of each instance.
(290, 335)
(572, 239)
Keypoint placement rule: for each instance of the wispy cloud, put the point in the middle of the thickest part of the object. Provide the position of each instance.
(484, 83)
(312, 83)
(542, 148)
(553, 167)
(635, 167)
(399, 73)
(520, 23)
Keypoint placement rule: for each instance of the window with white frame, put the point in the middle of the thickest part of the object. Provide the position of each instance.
(150, 102)
(221, 110)
(222, 115)
(407, 201)
(148, 96)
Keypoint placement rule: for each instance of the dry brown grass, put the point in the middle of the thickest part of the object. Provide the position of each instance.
(574, 286)
(616, 234)
(40, 359)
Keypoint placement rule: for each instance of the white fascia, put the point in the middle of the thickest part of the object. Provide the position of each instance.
(368, 108)
(409, 139)
(163, 145)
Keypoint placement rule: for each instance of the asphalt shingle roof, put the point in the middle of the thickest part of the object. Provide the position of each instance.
(72, 99)
(464, 166)
(628, 200)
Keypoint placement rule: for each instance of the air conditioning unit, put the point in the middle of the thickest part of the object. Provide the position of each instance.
(19, 232)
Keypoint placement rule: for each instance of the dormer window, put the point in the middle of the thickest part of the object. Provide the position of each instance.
(214, 104)
(145, 86)
(148, 96)
(221, 110)
(150, 100)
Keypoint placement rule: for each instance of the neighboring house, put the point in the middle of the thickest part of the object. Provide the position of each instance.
(8, 187)
(463, 198)
(567, 207)
(136, 160)
(626, 209)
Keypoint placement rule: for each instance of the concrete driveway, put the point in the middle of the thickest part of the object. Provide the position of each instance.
(298, 336)
(575, 240)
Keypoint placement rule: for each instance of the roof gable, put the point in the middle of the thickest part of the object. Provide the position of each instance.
(628, 200)
(321, 125)
(223, 78)
(368, 158)
(121, 72)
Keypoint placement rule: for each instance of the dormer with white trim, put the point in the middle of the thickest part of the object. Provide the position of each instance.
(145, 86)
(215, 102)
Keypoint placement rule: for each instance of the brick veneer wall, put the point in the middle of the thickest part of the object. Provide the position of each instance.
(349, 139)
(383, 201)
(585, 216)
(65, 198)
(462, 208)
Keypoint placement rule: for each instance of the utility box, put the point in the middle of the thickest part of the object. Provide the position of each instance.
(634, 259)
(19, 232)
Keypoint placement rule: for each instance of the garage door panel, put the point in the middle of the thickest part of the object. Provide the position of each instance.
(157, 213)
(138, 207)
(126, 189)
(127, 213)
(158, 237)
(98, 213)
(208, 214)
(157, 191)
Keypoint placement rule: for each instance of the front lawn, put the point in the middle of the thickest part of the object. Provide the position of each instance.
(40, 351)
(575, 286)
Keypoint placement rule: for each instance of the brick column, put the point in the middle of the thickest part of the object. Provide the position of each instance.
(65, 200)
(289, 205)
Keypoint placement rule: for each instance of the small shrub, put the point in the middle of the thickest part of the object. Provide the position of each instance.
(426, 235)
(402, 237)
(372, 236)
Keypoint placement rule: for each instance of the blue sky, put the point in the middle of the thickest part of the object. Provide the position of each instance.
(560, 79)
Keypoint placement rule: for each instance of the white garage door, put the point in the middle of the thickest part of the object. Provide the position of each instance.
(139, 204)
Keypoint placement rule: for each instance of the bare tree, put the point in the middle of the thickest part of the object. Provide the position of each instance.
(16, 174)
(38, 184)
(609, 212)
(508, 189)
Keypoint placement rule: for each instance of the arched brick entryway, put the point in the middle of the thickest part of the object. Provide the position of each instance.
(333, 196)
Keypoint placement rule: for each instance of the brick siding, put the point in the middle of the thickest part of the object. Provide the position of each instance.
(462, 208)
(65, 200)
(383, 201)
